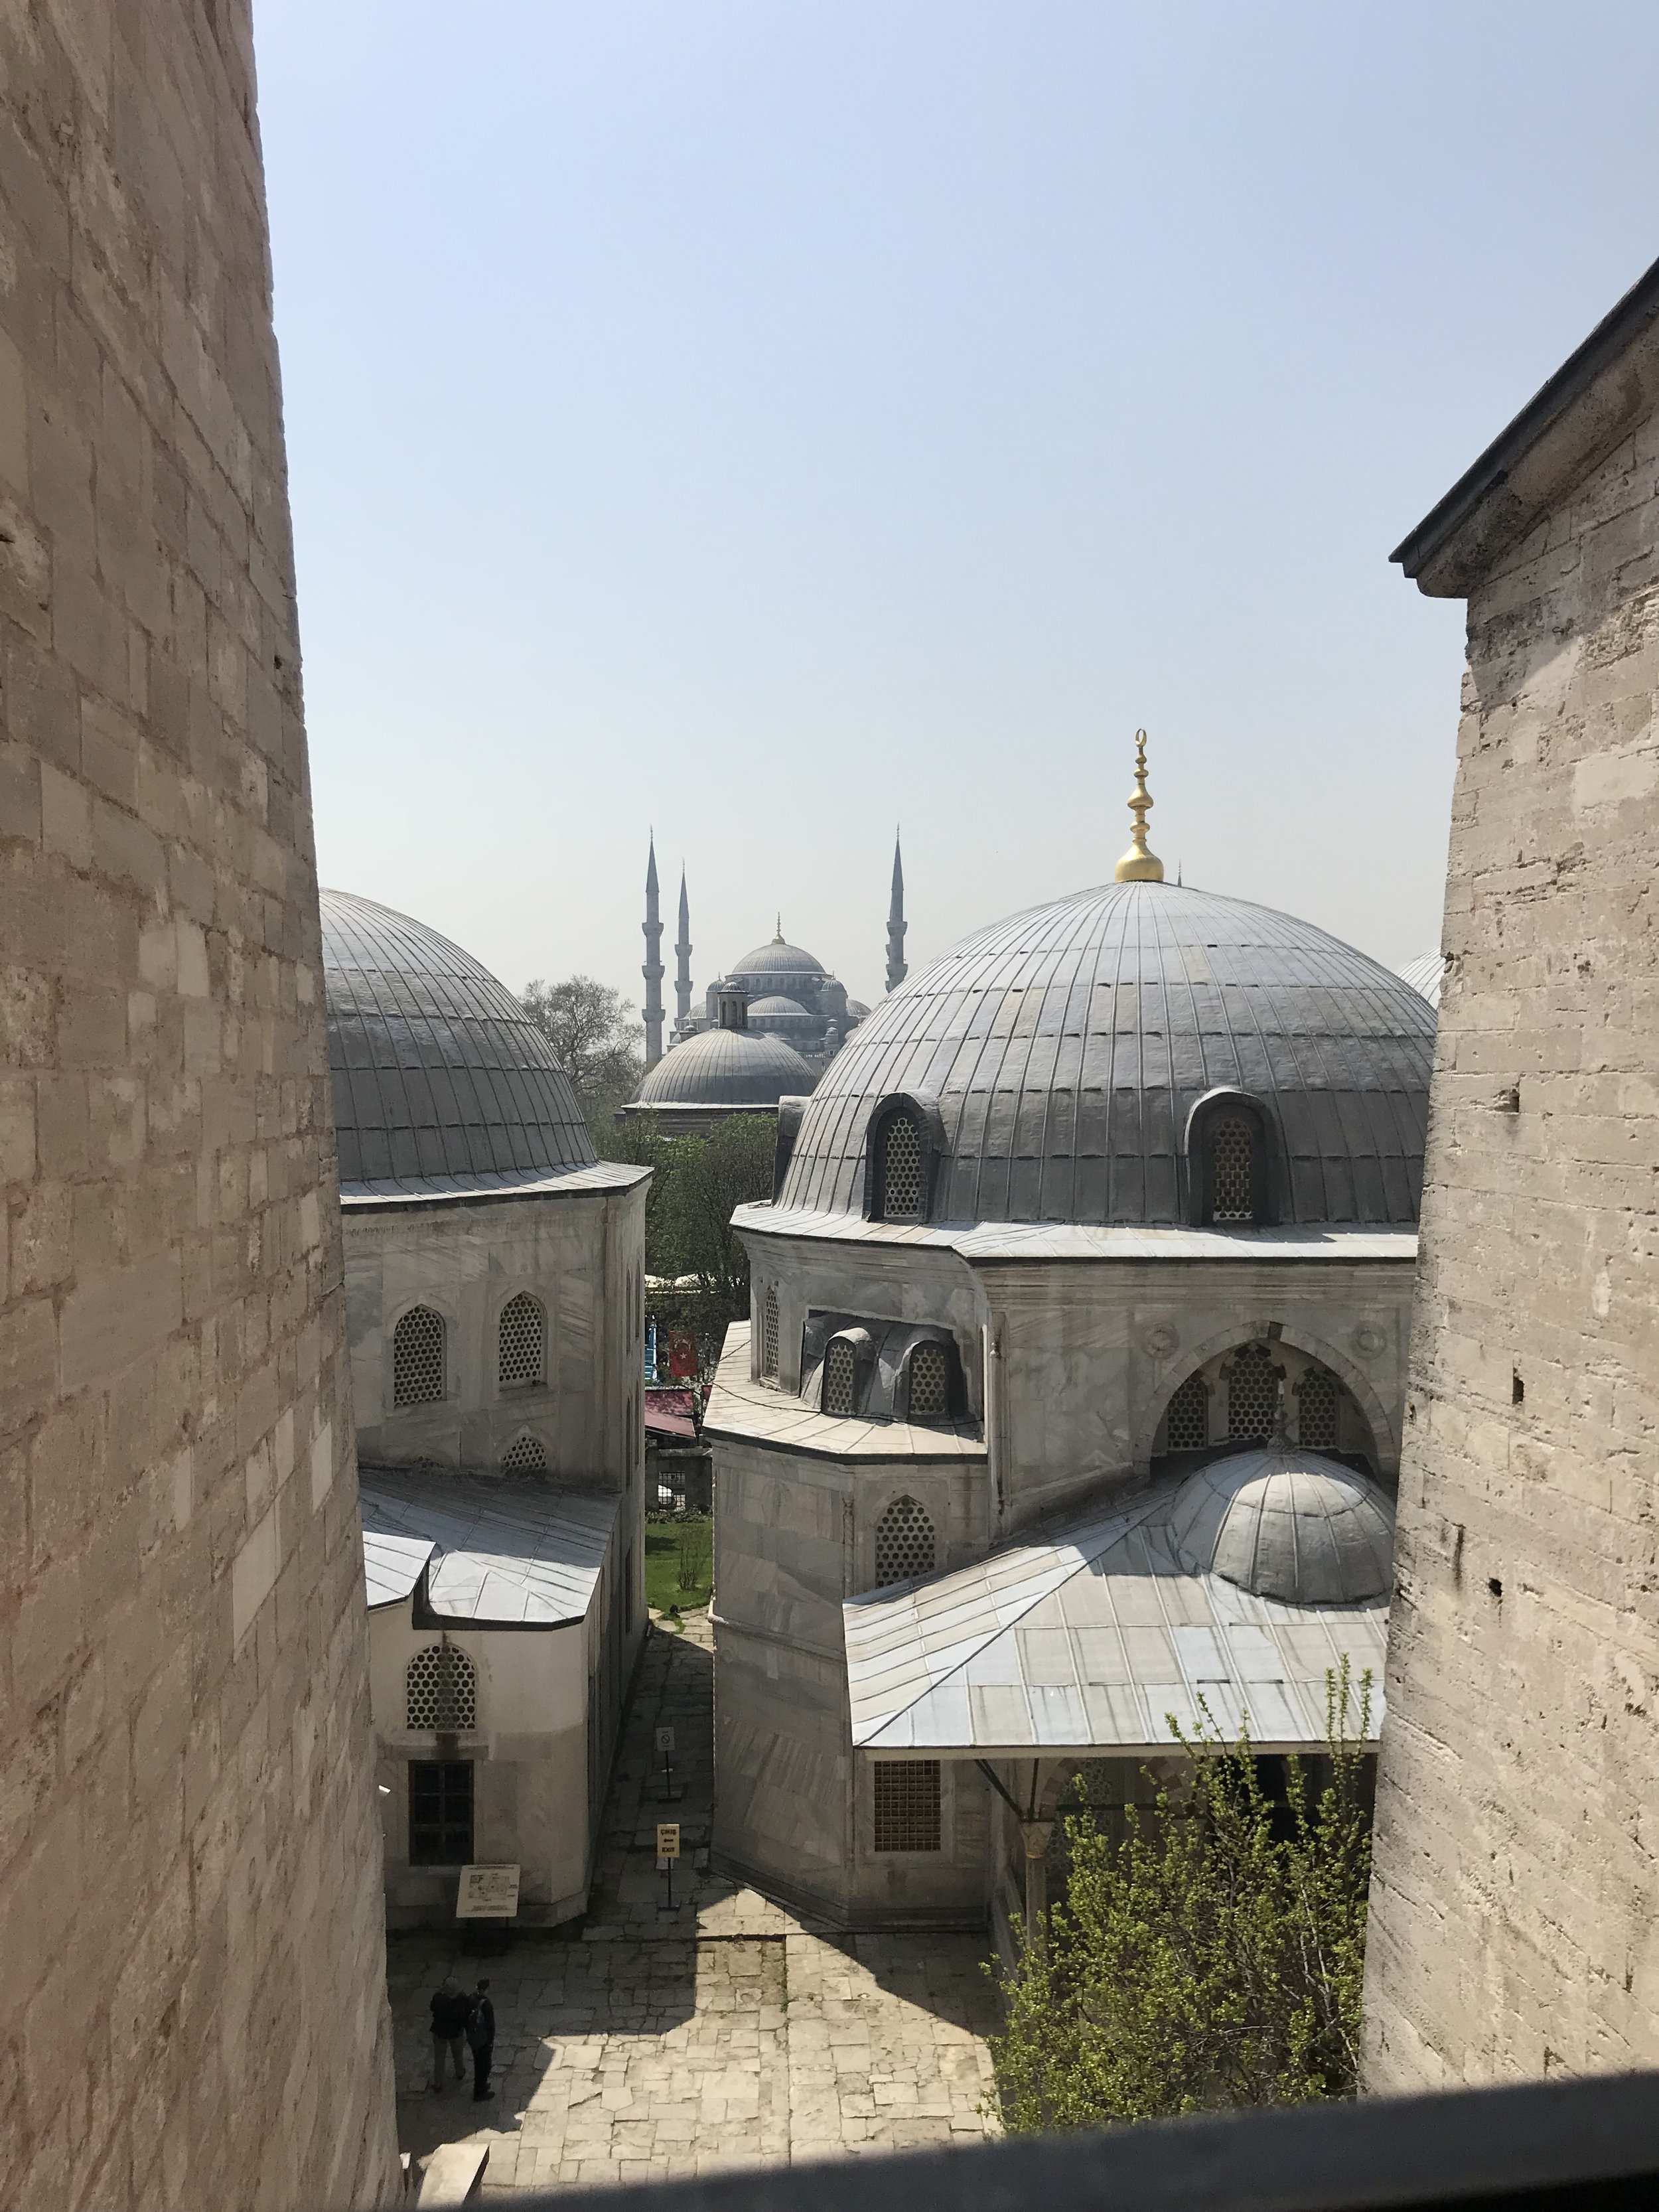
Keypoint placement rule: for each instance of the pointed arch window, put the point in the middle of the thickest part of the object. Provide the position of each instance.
(521, 1342)
(417, 1358)
(440, 1690)
(904, 1543)
(1252, 1395)
(841, 1376)
(1187, 1422)
(527, 1454)
(769, 1332)
(1232, 1169)
(930, 1383)
(1317, 1410)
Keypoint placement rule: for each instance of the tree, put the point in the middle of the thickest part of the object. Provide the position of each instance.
(592, 1031)
(1211, 1957)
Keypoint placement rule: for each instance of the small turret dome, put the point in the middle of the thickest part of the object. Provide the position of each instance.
(1287, 1523)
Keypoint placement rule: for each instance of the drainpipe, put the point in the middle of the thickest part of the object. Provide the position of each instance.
(992, 1393)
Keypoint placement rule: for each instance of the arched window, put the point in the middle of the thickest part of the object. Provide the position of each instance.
(440, 1690)
(769, 1333)
(521, 1342)
(525, 1454)
(1252, 1393)
(417, 1358)
(840, 1375)
(930, 1383)
(904, 1543)
(1187, 1422)
(1317, 1410)
(1232, 1169)
(898, 1188)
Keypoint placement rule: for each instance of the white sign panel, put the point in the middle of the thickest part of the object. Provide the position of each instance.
(488, 1892)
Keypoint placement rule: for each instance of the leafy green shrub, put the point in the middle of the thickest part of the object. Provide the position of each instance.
(1209, 1959)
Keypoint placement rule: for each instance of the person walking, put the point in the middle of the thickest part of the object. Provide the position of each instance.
(481, 2034)
(450, 2008)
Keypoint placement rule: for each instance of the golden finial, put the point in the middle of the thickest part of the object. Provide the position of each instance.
(1138, 865)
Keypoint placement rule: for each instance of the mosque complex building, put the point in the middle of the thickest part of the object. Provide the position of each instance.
(1073, 1394)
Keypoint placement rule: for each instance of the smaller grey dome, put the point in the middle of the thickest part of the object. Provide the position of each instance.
(779, 1013)
(726, 1067)
(1287, 1523)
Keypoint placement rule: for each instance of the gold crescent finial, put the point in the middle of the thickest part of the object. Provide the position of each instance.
(1139, 866)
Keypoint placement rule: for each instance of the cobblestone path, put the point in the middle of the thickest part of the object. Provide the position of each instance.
(725, 2033)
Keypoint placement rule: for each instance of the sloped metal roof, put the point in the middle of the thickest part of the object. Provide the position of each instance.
(503, 1554)
(1065, 1048)
(1424, 976)
(439, 1079)
(1089, 1642)
(726, 1067)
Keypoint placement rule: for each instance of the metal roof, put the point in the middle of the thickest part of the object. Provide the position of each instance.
(777, 959)
(502, 1553)
(1065, 1049)
(1088, 1642)
(439, 1079)
(726, 1067)
(771, 1418)
(1425, 975)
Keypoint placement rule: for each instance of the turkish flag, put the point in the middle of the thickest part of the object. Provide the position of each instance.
(682, 1353)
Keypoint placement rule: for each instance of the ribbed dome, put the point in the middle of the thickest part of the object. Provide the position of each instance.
(1424, 976)
(438, 1076)
(785, 1013)
(726, 1067)
(777, 959)
(1065, 1049)
(1288, 1524)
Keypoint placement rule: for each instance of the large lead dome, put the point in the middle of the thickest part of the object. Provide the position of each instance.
(1063, 1051)
(438, 1076)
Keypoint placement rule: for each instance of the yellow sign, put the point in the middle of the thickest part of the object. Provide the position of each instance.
(668, 1839)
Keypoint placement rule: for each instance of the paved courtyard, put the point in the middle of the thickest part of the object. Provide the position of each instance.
(725, 2033)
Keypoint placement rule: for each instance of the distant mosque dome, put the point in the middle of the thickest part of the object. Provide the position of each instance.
(438, 1075)
(1288, 1524)
(1056, 1059)
(780, 1014)
(778, 959)
(730, 1068)
(1425, 976)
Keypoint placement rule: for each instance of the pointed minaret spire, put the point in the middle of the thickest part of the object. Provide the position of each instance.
(897, 967)
(682, 971)
(652, 970)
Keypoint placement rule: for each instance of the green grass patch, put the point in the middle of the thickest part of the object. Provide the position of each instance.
(679, 1564)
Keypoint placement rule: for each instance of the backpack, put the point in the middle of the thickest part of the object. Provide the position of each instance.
(479, 2033)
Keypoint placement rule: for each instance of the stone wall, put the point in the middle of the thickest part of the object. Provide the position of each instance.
(190, 1860)
(1516, 1910)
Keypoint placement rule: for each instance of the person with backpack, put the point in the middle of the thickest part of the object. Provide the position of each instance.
(481, 2034)
(450, 2008)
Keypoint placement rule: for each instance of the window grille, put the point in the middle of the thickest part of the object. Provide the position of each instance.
(440, 1690)
(1252, 1393)
(439, 1812)
(900, 1196)
(840, 1376)
(907, 1805)
(520, 1337)
(1316, 1414)
(769, 1334)
(1232, 1191)
(417, 1358)
(904, 1543)
(930, 1389)
(1187, 1424)
(524, 1455)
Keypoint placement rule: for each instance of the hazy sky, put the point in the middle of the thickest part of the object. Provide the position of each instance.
(780, 421)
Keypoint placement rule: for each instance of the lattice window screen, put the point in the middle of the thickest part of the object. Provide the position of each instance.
(1187, 1424)
(907, 1805)
(1252, 1393)
(769, 1334)
(440, 1690)
(1316, 1414)
(904, 1543)
(520, 1337)
(1232, 1187)
(524, 1455)
(417, 1358)
(929, 1383)
(840, 1376)
(901, 1170)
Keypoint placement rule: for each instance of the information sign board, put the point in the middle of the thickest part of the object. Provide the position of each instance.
(488, 1892)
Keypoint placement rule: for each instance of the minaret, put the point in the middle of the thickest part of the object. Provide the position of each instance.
(682, 971)
(897, 968)
(652, 970)
(1139, 866)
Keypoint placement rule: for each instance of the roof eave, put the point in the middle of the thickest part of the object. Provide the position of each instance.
(1595, 397)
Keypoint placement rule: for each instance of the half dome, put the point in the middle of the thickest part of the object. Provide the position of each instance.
(438, 1075)
(726, 1067)
(1287, 1523)
(1063, 1051)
